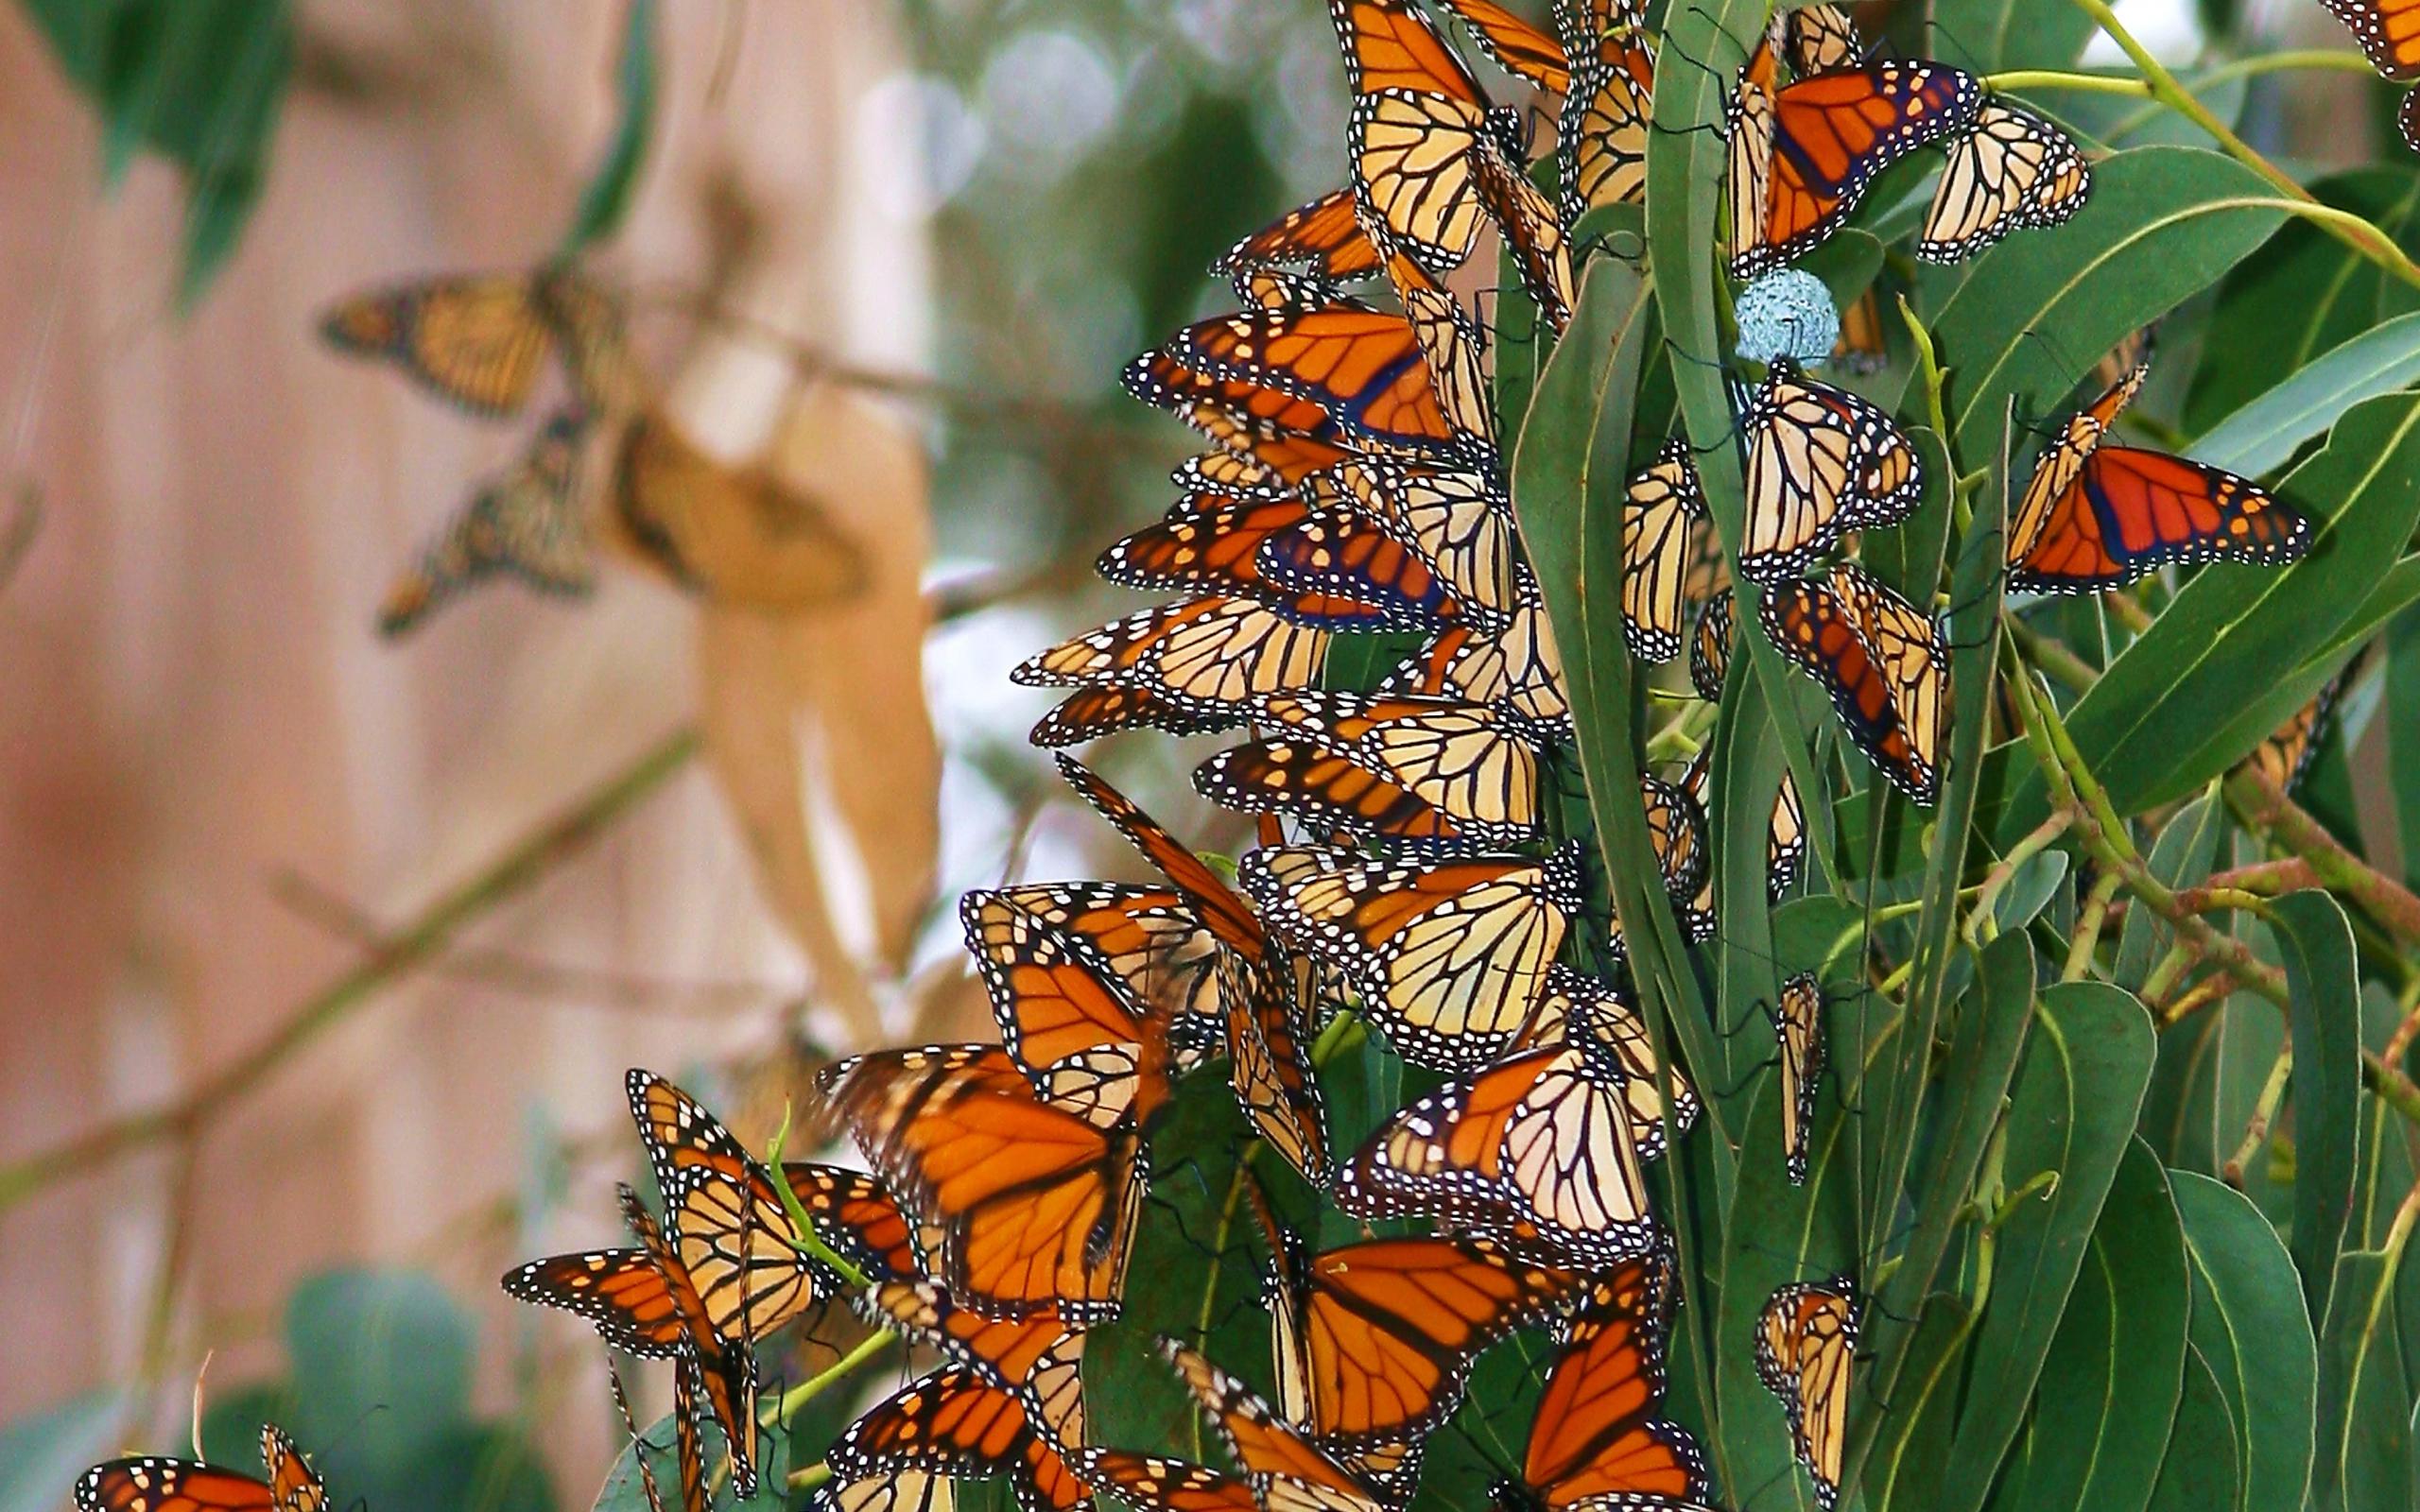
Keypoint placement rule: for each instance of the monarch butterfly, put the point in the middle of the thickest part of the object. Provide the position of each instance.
(1432, 156)
(1457, 519)
(148, 1483)
(2389, 32)
(959, 1423)
(1659, 504)
(1802, 155)
(1594, 1443)
(1539, 1152)
(1247, 440)
(1785, 840)
(1375, 1340)
(1798, 1025)
(1040, 1356)
(1448, 957)
(1065, 1017)
(737, 534)
(2285, 757)
(1710, 647)
(1518, 669)
(1229, 473)
(1269, 1064)
(1453, 347)
(1361, 370)
(1519, 49)
(1149, 938)
(1676, 832)
(2133, 350)
(1806, 1338)
(477, 340)
(1282, 1468)
(1600, 134)
(690, 1456)
(860, 1220)
(1885, 663)
(1818, 39)
(1032, 1204)
(526, 522)
(2011, 169)
(1819, 461)
(1861, 348)
(1323, 235)
(1186, 668)
(2096, 516)
(1156, 1484)
(1333, 568)
(1615, 1016)
(1434, 770)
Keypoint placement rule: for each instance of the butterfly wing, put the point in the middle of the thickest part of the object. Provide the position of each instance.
(1323, 235)
(959, 1424)
(621, 1291)
(2389, 32)
(293, 1485)
(1798, 1023)
(1659, 504)
(1064, 1017)
(1362, 370)
(1287, 1472)
(2012, 169)
(151, 1484)
(477, 341)
(1806, 1342)
(1521, 49)
(525, 522)
(1808, 623)
(1601, 134)
(1189, 667)
(1152, 1484)
(860, 1220)
(1595, 1442)
(2127, 512)
(1710, 647)
(1457, 520)
(1821, 461)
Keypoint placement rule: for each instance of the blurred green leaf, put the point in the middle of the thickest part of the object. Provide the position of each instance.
(389, 1342)
(2183, 855)
(2197, 1473)
(2302, 294)
(2364, 1403)
(43, 1453)
(606, 200)
(2252, 1330)
(2316, 941)
(2080, 1084)
(2211, 660)
(1987, 36)
(2098, 1436)
(2264, 433)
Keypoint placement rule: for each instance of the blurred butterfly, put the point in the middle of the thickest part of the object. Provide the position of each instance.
(1817, 39)
(1267, 449)
(148, 1483)
(1432, 156)
(1861, 348)
(1806, 1340)
(1802, 155)
(1821, 461)
(1659, 504)
(2011, 169)
(1798, 1026)
(1517, 47)
(1186, 668)
(1885, 663)
(1539, 1152)
(1448, 957)
(2133, 350)
(1594, 1443)
(1032, 1206)
(1437, 771)
(739, 535)
(1229, 473)
(1324, 236)
(1149, 938)
(1041, 1356)
(1261, 985)
(2389, 32)
(480, 341)
(1458, 520)
(1361, 371)
(1375, 1340)
(1283, 1469)
(2096, 516)
(2284, 758)
(526, 522)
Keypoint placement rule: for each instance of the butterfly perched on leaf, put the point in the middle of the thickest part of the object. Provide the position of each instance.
(1802, 155)
(1601, 133)
(2283, 758)
(1785, 838)
(2096, 516)
(1149, 939)
(1806, 1343)
(1186, 668)
(1821, 462)
(527, 522)
(1660, 504)
(1517, 668)
(1539, 1151)
(1595, 1443)
(481, 340)
(1262, 985)
(2011, 169)
(1448, 956)
(1798, 1028)
(1884, 662)
(150, 1482)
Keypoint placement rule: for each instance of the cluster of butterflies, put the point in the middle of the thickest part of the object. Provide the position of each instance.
(484, 343)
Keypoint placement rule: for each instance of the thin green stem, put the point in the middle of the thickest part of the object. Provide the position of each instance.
(2094, 916)
(794, 1399)
(2264, 1113)
(803, 1238)
(2024, 78)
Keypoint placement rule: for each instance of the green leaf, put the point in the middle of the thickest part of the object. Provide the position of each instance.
(1988, 36)
(383, 1346)
(2073, 1112)
(2037, 311)
(2302, 294)
(2122, 120)
(2117, 1364)
(1912, 1447)
(2364, 1403)
(2252, 1329)
(2402, 719)
(607, 199)
(2316, 941)
(2183, 855)
(2208, 661)
(625, 1489)
(2199, 1472)
(2264, 433)
(42, 1454)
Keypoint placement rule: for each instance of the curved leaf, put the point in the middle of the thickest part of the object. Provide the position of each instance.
(2316, 942)
(607, 198)
(1990, 35)
(2263, 434)
(2073, 1113)
(2364, 1403)
(2251, 1327)
(2199, 1472)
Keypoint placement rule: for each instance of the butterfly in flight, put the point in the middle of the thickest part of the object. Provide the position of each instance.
(525, 522)
(480, 341)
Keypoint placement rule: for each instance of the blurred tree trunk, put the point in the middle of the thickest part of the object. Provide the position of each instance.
(191, 699)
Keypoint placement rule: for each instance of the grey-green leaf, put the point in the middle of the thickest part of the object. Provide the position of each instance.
(2252, 1329)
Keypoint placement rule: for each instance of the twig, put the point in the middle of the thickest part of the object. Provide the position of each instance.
(2089, 922)
(796, 1399)
(426, 936)
(2264, 1113)
(2263, 879)
(2268, 810)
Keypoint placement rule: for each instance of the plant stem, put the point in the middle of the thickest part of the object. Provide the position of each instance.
(806, 1391)
(2037, 840)
(804, 1239)
(521, 863)
(2264, 1113)
(2089, 923)
(2268, 810)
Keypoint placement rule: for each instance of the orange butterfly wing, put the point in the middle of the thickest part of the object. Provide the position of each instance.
(1833, 133)
(1323, 235)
